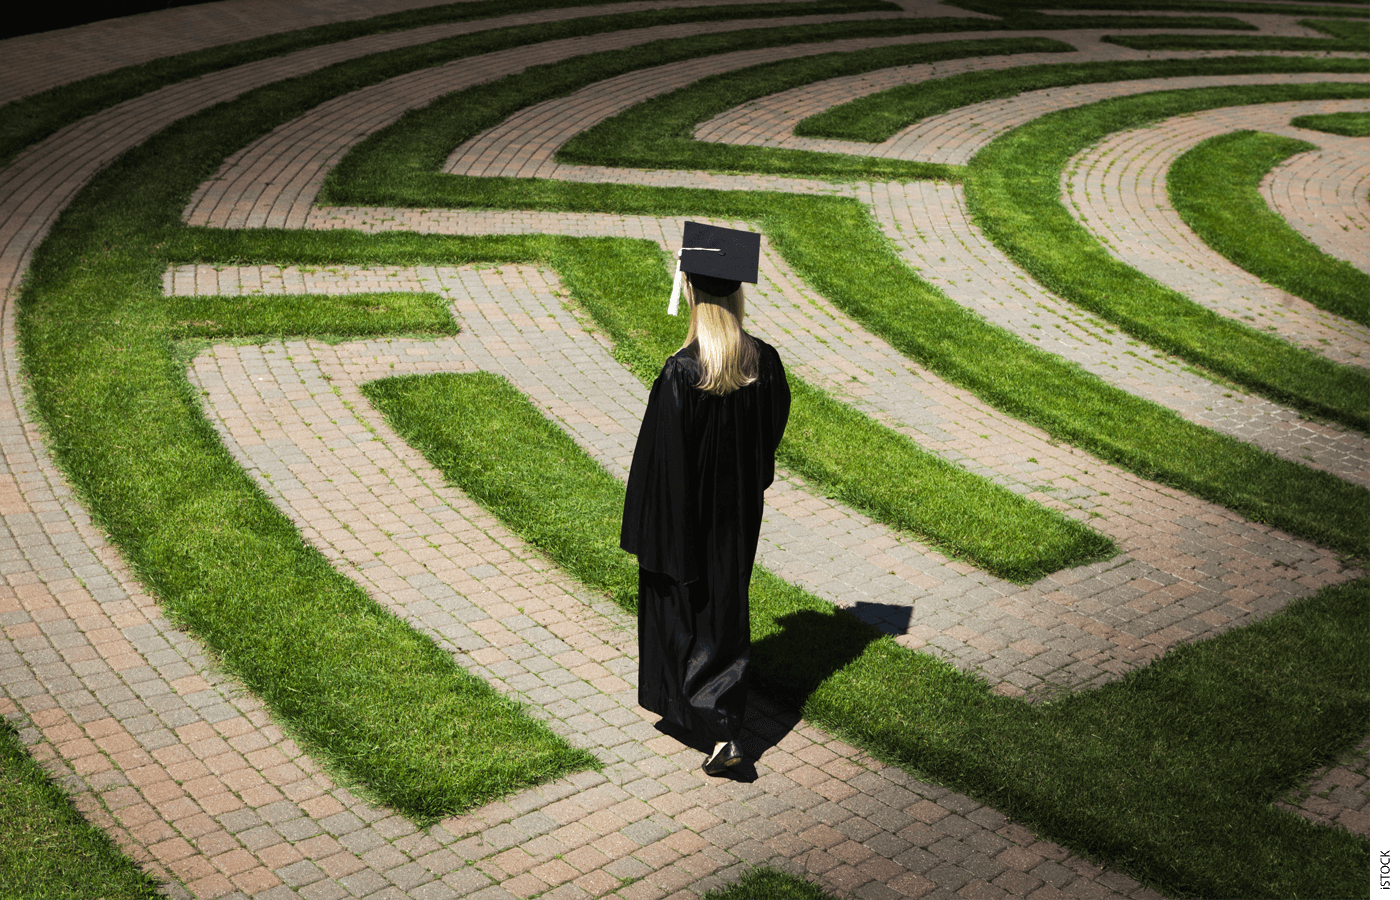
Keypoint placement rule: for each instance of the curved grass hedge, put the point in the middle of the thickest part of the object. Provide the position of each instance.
(878, 117)
(1013, 193)
(1215, 188)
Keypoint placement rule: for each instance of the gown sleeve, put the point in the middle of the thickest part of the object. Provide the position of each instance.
(658, 513)
(779, 404)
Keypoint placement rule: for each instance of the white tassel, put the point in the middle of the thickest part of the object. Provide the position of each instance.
(675, 306)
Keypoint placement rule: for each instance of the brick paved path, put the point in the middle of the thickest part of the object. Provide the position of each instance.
(926, 221)
(190, 775)
(1119, 187)
(1326, 195)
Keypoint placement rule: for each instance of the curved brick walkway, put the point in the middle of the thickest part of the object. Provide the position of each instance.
(1119, 188)
(954, 137)
(192, 778)
(1326, 195)
(275, 181)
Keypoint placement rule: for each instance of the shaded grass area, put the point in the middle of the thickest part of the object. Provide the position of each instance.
(1347, 124)
(378, 703)
(1215, 188)
(1347, 37)
(47, 849)
(280, 316)
(659, 133)
(767, 883)
(33, 118)
(878, 117)
(844, 453)
(1013, 193)
(1167, 774)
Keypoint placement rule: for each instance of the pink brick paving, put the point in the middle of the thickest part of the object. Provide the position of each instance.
(1326, 195)
(37, 62)
(44, 178)
(845, 557)
(953, 137)
(1119, 188)
(929, 223)
(259, 188)
(194, 780)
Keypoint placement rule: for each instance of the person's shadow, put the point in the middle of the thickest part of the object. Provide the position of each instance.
(789, 665)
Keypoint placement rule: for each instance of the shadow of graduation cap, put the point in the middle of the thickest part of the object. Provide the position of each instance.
(716, 259)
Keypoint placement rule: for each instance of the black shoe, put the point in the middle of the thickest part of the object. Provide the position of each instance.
(728, 755)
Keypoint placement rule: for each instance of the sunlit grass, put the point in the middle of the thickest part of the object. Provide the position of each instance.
(1215, 188)
(1168, 774)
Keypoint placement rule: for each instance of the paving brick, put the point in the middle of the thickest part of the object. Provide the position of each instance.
(266, 813)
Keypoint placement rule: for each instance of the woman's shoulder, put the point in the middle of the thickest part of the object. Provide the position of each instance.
(767, 354)
(683, 365)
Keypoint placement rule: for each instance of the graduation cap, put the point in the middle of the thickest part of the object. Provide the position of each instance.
(716, 259)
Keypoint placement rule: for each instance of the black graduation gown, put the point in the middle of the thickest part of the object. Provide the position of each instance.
(693, 509)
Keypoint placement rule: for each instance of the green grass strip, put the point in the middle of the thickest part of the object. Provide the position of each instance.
(767, 883)
(1017, 8)
(377, 702)
(337, 316)
(1013, 193)
(1347, 37)
(1167, 774)
(1215, 188)
(878, 117)
(33, 118)
(47, 849)
(844, 453)
(839, 450)
(124, 425)
(659, 133)
(1347, 124)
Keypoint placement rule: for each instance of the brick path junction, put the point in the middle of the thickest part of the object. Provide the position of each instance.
(190, 775)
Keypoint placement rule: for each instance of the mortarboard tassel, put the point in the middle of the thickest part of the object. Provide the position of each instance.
(675, 289)
(675, 304)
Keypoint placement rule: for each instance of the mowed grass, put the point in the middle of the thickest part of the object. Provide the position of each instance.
(47, 849)
(1013, 193)
(1215, 188)
(336, 316)
(108, 247)
(767, 883)
(1345, 37)
(1168, 774)
(879, 116)
(1347, 124)
(32, 118)
(659, 133)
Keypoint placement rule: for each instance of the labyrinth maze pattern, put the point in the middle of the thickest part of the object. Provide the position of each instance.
(187, 770)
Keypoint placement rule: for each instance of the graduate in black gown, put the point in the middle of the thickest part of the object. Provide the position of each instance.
(695, 497)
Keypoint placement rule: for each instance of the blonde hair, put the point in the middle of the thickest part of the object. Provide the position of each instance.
(728, 356)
